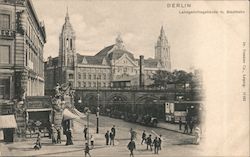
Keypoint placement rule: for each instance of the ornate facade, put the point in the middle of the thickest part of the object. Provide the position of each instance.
(113, 66)
(22, 38)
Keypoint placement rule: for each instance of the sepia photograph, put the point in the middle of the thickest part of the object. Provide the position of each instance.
(124, 78)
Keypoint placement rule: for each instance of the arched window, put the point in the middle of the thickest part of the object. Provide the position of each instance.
(70, 44)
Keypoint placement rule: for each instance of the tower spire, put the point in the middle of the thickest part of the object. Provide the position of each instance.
(67, 15)
(162, 31)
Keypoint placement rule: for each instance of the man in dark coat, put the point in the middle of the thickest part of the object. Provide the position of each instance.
(149, 142)
(85, 131)
(180, 124)
(111, 135)
(113, 131)
(143, 137)
(156, 145)
(131, 146)
(87, 149)
(186, 128)
(107, 137)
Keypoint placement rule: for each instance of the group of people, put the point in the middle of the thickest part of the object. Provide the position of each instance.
(188, 125)
(156, 142)
(110, 136)
(55, 134)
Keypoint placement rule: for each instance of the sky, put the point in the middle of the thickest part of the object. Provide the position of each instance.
(97, 24)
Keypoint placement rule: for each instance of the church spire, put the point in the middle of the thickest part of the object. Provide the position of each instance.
(162, 34)
(67, 15)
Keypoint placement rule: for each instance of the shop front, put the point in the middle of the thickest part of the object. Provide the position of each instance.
(38, 120)
(7, 127)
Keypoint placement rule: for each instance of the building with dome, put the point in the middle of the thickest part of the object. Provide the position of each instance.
(113, 66)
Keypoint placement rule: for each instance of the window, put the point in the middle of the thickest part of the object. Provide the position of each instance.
(94, 84)
(4, 21)
(70, 76)
(94, 76)
(79, 84)
(4, 54)
(84, 84)
(99, 76)
(84, 76)
(26, 58)
(79, 76)
(125, 70)
(4, 88)
(104, 76)
(90, 76)
(70, 44)
(89, 84)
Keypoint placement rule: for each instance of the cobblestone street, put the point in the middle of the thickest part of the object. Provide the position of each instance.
(174, 143)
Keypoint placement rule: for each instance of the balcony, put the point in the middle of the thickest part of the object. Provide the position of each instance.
(7, 34)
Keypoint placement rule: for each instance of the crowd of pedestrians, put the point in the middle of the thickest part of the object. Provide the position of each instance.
(153, 141)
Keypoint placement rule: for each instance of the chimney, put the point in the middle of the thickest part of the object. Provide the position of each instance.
(141, 75)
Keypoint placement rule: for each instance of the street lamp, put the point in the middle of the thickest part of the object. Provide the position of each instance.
(97, 109)
(97, 120)
(87, 111)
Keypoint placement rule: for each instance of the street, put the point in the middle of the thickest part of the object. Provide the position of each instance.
(174, 144)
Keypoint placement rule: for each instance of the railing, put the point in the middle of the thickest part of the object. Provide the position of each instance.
(135, 88)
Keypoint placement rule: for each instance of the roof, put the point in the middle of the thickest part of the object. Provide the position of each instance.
(7, 121)
(151, 63)
(105, 51)
(93, 60)
(116, 54)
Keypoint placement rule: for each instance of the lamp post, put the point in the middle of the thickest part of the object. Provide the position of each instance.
(98, 108)
(87, 111)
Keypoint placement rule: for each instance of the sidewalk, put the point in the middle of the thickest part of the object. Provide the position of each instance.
(172, 127)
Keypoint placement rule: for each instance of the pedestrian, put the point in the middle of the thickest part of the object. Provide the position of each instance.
(53, 134)
(143, 137)
(156, 145)
(186, 127)
(131, 146)
(111, 138)
(58, 140)
(149, 142)
(87, 149)
(197, 132)
(113, 131)
(132, 134)
(92, 141)
(85, 131)
(191, 126)
(107, 137)
(69, 137)
(38, 144)
(180, 123)
(160, 140)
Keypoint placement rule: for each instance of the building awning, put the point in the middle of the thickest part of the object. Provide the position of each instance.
(39, 110)
(7, 121)
(67, 114)
(78, 113)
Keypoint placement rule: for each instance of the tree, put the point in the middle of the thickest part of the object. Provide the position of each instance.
(162, 78)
